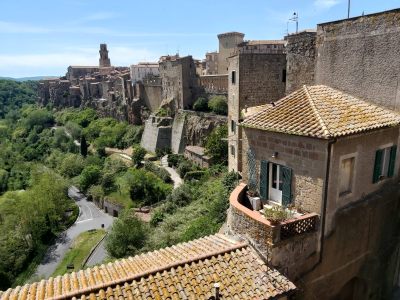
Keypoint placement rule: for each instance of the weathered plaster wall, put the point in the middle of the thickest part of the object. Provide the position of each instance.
(300, 57)
(363, 147)
(361, 56)
(306, 156)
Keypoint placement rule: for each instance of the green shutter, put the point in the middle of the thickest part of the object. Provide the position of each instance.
(378, 166)
(392, 161)
(264, 175)
(286, 185)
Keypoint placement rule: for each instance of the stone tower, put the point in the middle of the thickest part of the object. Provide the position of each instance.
(227, 44)
(104, 61)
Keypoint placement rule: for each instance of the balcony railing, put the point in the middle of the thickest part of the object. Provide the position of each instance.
(244, 219)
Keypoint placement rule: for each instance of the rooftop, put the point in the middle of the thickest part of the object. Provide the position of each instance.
(183, 271)
(264, 42)
(322, 112)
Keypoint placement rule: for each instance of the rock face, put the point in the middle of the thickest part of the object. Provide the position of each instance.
(187, 128)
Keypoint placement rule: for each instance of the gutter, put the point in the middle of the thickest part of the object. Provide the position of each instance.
(325, 201)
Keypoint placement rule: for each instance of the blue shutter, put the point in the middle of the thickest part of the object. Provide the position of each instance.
(286, 185)
(377, 166)
(264, 175)
(392, 161)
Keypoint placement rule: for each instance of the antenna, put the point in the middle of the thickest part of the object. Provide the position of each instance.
(348, 9)
(295, 18)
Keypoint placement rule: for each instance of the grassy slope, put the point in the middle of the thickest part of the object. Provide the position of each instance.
(80, 249)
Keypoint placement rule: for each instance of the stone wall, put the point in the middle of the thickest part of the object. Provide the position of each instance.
(259, 79)
(300, 57)
(151, 93)
(361, 56)
(179, 81)
(214, 84)
(305, 156)
(157, 133)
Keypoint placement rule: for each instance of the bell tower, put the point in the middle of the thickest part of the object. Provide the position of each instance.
(104, 61)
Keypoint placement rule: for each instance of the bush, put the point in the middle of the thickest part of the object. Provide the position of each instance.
(194, 175)
(138, 154)
(127, 236)
(132, 136)
(217, 145)
(160, 152)
(218, 105)
(160, 172)
(184, 167)
(72, 165)
(89, 176)
(201, 104)
(230, 180)
(146, 187)
(108, 183)
(174, 159)
(74, 130)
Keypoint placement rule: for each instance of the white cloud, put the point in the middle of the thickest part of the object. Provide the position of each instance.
(11, 27)
(326, 4)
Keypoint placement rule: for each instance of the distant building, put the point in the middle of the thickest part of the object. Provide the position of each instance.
(143, 69)
(227, 44)
(211, 63)
(197, 155)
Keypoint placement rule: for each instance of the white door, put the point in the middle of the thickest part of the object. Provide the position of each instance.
(275, 183)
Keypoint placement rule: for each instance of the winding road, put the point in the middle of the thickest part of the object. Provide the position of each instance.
(90, 217)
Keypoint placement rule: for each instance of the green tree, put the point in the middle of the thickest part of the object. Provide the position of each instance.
(217, 144)
(3, 180)
(84, 146)
(72, 165)
(127, 236)
(138, 154)
(89, 176)
(201, 104)
(218, 105)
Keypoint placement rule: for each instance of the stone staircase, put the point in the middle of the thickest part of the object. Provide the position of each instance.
(164, 161)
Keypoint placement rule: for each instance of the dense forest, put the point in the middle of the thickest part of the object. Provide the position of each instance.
(43, 151)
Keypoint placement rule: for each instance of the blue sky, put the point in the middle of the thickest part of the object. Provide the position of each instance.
(44, 37)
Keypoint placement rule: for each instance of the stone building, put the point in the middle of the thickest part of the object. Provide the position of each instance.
(254, 76)
(357, 55)
(331, 158)
(142, 70)
(179, 81)
(104, 60)
(211, 63)
(212, 267)
(227, 44)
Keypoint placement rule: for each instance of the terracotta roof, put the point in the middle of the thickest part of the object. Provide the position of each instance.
(184, 271)
(322, 112)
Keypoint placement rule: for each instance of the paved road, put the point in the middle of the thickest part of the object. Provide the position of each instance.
(90, 217)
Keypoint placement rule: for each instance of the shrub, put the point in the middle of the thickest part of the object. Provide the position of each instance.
(146, 187)
(108, 182)
(174, 159)
(218, 105)
(72, 165)
(194, 175)
(160, 152)
(201, 104)
(277, 214)
(73, 129)
(160, 172)
(89, 176)
(138, 154)
(162, 112)
(127, 236)
(133, 135)
(230, 180)
(184, 167)
(217, 145)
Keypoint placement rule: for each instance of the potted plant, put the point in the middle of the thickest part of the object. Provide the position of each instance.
(276, 214)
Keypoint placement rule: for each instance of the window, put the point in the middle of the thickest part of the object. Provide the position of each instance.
(233, 77)
(346, 174)
(283, 75)
(232, 150)
(233, 126)
(385, 159)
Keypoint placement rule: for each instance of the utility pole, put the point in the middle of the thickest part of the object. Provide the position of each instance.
(348, 9)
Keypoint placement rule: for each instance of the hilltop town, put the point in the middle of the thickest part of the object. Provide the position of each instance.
(313, 126)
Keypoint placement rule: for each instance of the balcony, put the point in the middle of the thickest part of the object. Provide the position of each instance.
(245, 221)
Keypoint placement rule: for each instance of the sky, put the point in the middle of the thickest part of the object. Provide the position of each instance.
(43, 37)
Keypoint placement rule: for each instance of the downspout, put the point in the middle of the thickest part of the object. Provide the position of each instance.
(325, 201)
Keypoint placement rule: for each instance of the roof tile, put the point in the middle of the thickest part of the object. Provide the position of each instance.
(320, 111)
